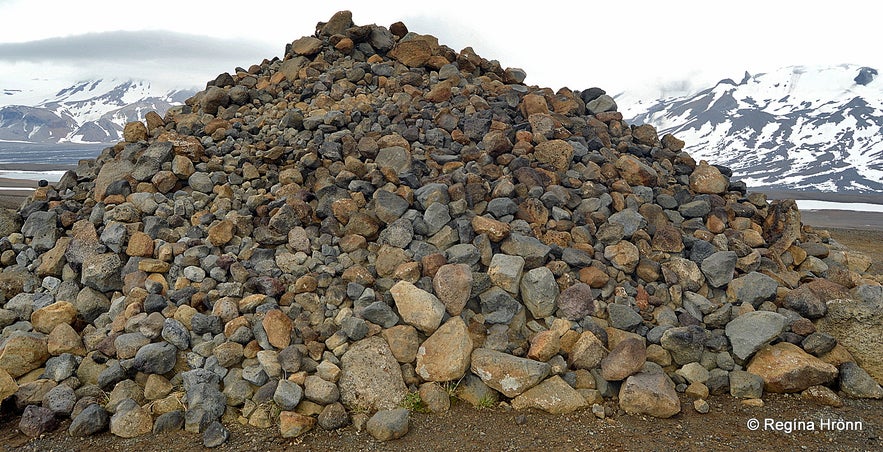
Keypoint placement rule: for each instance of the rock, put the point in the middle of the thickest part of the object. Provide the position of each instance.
(685, 344)
(587, 352)
(556, 153)
(507, 374)
(453, 286)
(576, 302)
(552, 396)
(636, 172)
(93, 419)
(292, 425)
(172, 421)
(215, 435)
(320, 391)
(544, 345)
(623, 317)
(445, 355)
(41, 228)
(278, 327)
(818, 343)
(784, 367)
(36, 421)
(623, 255)
(753, 288)
(683, 272)
(288, 394)
(626, 358)
(333, 417)
(652, 394)
(630, 220)
(856, 383)
(156, 358)
(435, 397)
(8, 386)
(130, 420)
(496, 230)
(370, 378)
(417, 307)
(719, 267)
(810, 299)
(46, 319)
(856, 325)
(539, 292)
(708, 179)
(387, 425)
(752, 330)
(822, 396)
(505, 272)
(102, 272)
(498, 306)
(413, 53)
(60, 400)
(23, 353)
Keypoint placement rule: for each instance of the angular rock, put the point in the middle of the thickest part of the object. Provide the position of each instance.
(856, 325)
(752, 330)
(417, 307)
(386, 425)
(576, 302)
(624, 359)
(292, 425)
(785, 367)
(652, 394)
(753, 288)
(505, 271)
(93, 419)
(445, 355)
(587, 352)
(370, 378)
(539, 292)
(36, 421)
(23, 353)
(552, 396)
(453, 286)
(130, 420)
(719, 267)
(507, 374)
(856, 383)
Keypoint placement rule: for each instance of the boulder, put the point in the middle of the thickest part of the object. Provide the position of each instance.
(651, 394)
(785, 367)
(507, 374)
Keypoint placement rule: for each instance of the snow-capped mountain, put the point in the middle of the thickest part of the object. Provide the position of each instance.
(93, 111)
(802, 128)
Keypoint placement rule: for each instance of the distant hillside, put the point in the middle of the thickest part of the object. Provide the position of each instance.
(804, 128)
(93, 111)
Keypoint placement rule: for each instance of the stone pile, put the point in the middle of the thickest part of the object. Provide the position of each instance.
(376, 221)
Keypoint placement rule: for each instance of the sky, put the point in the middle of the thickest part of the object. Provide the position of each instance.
(652, 48)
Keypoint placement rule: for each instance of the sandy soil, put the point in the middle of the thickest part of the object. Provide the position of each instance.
(725, 427)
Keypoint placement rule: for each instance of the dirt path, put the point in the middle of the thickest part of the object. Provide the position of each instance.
(465, 428)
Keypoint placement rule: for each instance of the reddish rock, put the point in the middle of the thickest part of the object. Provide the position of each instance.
(453, 286)
(278, 328)
(785, 367)
(625, 359)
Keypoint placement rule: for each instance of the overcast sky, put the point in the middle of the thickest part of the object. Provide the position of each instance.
(616, 45)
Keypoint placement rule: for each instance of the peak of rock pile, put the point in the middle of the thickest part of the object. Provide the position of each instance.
(324, 237)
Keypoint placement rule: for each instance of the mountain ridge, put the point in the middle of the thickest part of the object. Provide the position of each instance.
(798, 128)
(88, 111)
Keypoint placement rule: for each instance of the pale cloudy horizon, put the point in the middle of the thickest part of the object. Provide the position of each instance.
(648, 47)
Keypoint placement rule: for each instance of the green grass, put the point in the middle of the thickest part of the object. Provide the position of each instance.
(413, 402)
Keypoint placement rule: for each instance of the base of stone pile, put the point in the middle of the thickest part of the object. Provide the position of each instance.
(467, 428)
